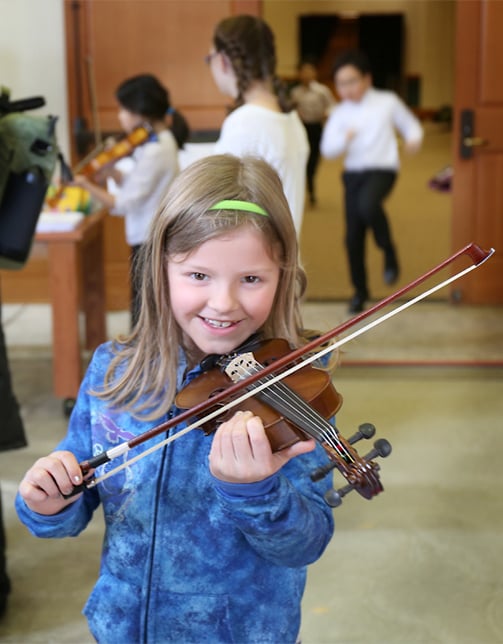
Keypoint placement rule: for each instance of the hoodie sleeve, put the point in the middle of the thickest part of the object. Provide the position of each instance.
(156, 165)
(78, 440)
(285, 518)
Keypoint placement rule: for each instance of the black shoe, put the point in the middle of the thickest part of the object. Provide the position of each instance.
(391, 270)
(391, 275)
(4, 593)
(356, 303)
(5, 588)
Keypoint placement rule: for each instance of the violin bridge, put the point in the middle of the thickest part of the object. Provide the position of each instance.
(242, 366)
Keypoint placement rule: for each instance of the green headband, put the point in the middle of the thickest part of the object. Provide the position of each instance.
(234, 204)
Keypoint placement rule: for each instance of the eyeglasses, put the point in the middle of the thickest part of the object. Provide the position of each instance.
(348, 82)
(208, 58)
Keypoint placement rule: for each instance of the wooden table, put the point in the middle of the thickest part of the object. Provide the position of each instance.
(77, 284)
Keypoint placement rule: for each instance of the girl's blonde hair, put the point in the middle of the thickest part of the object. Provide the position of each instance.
(145, 383)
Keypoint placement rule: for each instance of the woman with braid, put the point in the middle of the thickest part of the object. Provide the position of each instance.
(262, 123)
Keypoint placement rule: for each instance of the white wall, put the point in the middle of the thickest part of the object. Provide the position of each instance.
(32, 56)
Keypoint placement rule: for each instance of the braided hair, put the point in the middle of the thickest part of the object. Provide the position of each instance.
(249, 44)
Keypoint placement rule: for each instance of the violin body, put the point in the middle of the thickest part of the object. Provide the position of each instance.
(297, 409)
(313, 385)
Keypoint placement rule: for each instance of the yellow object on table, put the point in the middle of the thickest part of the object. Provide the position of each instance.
(68, 199)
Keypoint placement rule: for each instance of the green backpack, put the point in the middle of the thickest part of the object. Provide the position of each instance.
(28, 156)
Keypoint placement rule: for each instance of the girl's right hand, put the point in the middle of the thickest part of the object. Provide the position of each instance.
(50, 477)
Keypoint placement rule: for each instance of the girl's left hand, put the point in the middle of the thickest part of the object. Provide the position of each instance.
(241, 452)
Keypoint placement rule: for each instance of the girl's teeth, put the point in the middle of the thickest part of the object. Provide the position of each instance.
(218, 324)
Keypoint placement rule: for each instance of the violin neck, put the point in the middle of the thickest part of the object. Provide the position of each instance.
(103, 155)
(89, 157)
(295, 409)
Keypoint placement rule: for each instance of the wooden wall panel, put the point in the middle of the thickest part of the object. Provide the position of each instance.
(111, 40)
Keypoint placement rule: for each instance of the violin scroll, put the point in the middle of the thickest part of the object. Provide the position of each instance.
(361, 473)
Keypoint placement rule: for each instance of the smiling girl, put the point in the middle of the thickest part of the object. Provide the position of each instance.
(208, 540)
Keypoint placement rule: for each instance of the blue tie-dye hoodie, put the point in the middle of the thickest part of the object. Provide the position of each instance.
(187, 558)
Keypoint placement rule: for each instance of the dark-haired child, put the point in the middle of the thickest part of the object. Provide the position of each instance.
(139, 182)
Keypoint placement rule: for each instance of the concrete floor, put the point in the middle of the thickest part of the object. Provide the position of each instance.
(420, 564)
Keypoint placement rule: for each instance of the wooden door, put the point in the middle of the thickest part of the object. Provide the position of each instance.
(478, 145)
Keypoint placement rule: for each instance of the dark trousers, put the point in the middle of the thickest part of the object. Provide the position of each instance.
(11, 426)
(364, 195)
(134, 276)
(314, 137)
(12, 436)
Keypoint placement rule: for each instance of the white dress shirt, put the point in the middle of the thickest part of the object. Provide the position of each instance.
(374, 120)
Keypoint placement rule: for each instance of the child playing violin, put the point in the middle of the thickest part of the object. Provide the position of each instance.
(136, 191)
(207, 539)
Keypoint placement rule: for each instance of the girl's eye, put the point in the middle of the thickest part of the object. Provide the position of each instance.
(252, 279)
(198, 276)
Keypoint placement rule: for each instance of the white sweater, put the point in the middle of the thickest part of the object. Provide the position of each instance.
(153, 166)
(278, 138)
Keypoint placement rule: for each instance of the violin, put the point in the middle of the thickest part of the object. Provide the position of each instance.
(90, 167)
(294, 410)
(122, 148)
(297, 408)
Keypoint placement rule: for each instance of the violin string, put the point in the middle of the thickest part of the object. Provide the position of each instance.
(312, 422)
(291, 404)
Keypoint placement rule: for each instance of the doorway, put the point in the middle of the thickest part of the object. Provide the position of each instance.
(380, 36)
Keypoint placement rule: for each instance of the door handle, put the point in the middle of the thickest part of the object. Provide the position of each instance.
(474, 141)
(468, 140)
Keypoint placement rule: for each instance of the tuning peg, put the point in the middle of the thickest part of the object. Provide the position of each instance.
(320, 472)
(382, 448)
(365, 430)
(333, 498)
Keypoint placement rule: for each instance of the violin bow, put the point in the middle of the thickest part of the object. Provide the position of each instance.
(477, 255)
